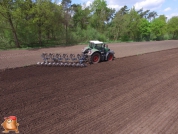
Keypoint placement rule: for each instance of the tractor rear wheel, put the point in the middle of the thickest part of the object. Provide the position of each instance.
(110, 57)
(95, 58)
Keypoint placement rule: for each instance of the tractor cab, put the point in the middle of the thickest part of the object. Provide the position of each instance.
(98, 51)
(100, 46)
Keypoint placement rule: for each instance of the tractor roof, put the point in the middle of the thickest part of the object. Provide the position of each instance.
(96, 42)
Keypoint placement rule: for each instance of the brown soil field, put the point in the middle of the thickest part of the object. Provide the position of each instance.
(132, 95)
(19, 58)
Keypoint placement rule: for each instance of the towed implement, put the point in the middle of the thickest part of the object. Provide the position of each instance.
(95, 52)
(62, 60)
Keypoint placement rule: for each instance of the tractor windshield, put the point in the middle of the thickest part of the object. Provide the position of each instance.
(91, 45)
(98, 46)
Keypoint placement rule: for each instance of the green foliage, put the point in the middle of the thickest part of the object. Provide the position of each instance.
(124, 38)
(145, 29)
(81, 16)
(173, 27)
(43, 23)
(101, 14)
(83, 35)
(158, 29)
(134, 20)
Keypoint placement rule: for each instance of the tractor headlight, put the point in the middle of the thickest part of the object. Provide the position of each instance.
(89, 51)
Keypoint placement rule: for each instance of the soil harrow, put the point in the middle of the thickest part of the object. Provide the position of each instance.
(57, 59)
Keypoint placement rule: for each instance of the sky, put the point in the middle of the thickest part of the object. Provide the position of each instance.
(167, 7)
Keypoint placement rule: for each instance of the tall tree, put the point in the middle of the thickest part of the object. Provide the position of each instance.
(124, 10)
(144, 14)
(41, 12)
(66, 4)
(158, 28)
(120, 23)
(145, 29)
(163, 17)
(81, 16)
(101, 14)
(173, 27)
(134, 19)
(7, 9)
(152, 15)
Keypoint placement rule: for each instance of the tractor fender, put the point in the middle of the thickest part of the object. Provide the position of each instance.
(84, 49)
(93, 51)
(111, 51)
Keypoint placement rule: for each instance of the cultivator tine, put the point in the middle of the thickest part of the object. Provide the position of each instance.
(61, 64)
(54, 58)
(85, 65)
(69, 64)
(73, 64)
(46, 63)
(57, 59)
(73, 58)
(50, 57)
(53, 63)
(80, 58)
(49, 64)
(57, 56)
(82, 65)
(78, 64)
(66, 58)
(44, 57)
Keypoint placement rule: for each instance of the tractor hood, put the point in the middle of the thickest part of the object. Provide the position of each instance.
(85, 48)
(91, 51)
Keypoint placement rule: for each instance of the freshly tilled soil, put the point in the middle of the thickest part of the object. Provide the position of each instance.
(22, 58)
(133, 95)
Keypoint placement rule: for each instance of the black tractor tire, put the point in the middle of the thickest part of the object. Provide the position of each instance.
(110, 57)
(95, 58)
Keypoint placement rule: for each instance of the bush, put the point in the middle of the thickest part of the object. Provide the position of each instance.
(125, 38)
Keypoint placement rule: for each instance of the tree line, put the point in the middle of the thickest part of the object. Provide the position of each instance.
(39, 23)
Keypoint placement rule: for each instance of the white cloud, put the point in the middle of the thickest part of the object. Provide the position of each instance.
(59, 3)
(149, 4)
(145, 4)
(88, 3)
(122, 2)
(167, 9)
(110, 3)
(116, 7)
(171, 15)
(114, 4)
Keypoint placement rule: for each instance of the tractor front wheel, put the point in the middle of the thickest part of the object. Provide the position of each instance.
(95, 58)
(110, 57)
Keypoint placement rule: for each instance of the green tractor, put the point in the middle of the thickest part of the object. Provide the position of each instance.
(95, 52)
(98, 51)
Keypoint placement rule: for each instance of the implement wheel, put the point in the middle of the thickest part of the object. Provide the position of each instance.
(110, 57)
(95, 58)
